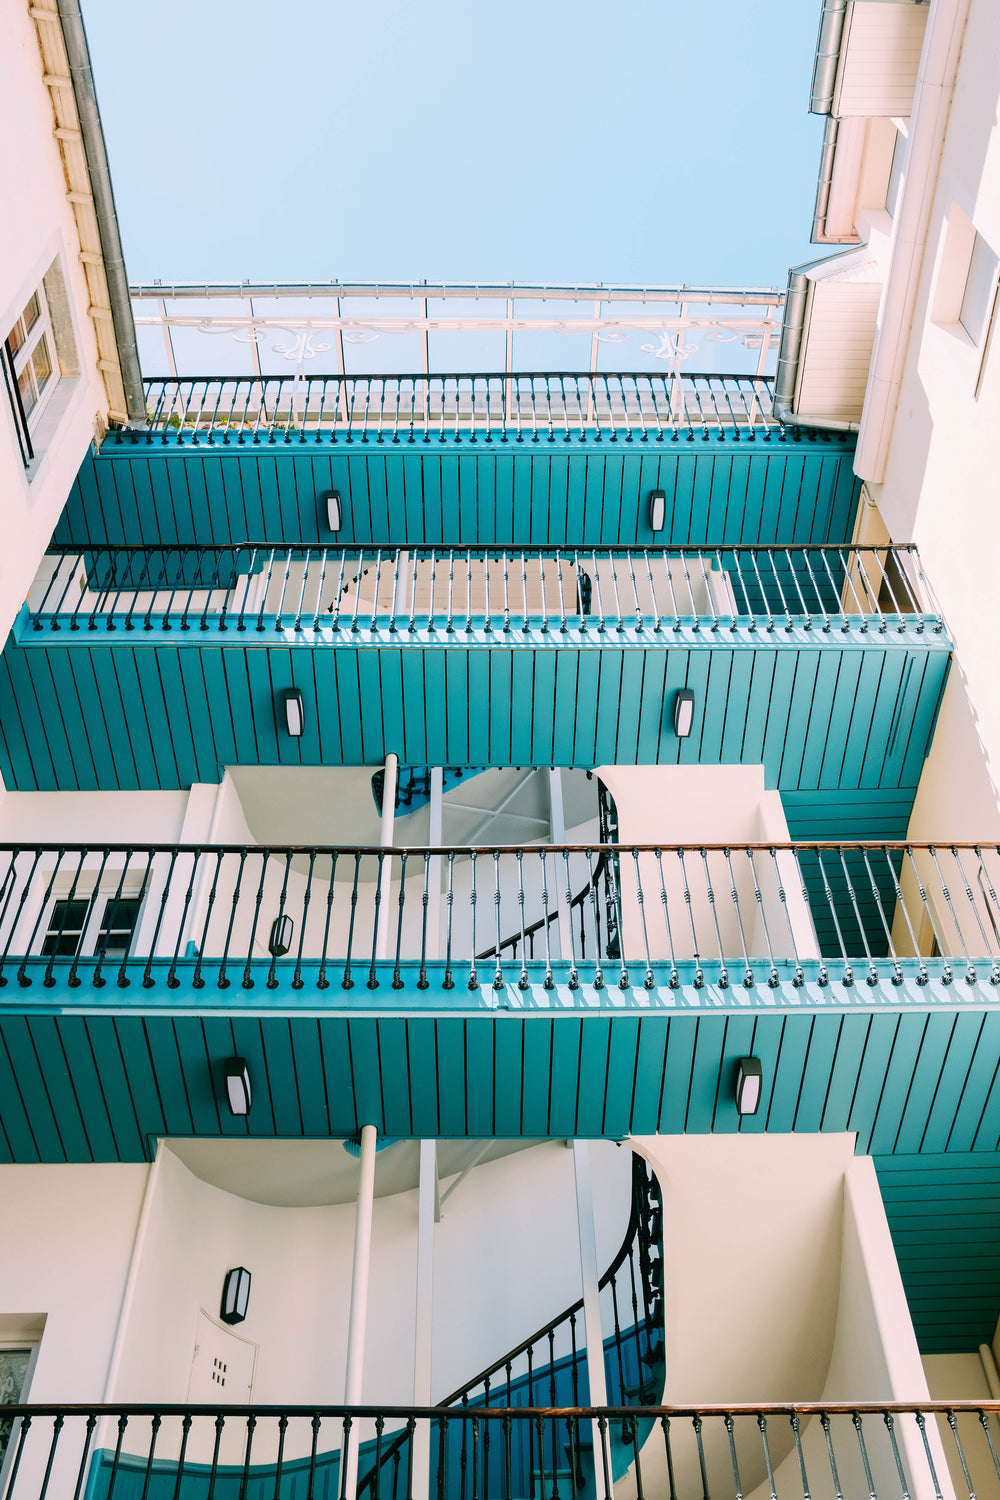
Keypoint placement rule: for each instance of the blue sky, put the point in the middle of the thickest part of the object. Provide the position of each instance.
(641, 140)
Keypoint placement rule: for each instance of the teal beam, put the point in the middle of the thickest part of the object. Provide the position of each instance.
(96, 711)
(719, 491)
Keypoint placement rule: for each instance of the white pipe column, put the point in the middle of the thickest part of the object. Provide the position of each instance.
(591, 1303)
(359, 1300)
(557, 826)
(424, 1311)
(435, 836)
(389, 784)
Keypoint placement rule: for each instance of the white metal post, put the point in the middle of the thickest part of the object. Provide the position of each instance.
(424, 1312)
(557, 826)
(591, 1302)
(389, 782)
(359, 1300)
(435, 836)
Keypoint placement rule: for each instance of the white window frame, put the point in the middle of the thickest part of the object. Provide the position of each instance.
(32, 1345)
(23, 357)
(99, 901)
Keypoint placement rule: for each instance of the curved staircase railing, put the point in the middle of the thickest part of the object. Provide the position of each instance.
(553, 1459)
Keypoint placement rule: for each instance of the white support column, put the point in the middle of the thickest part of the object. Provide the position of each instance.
(435, 836)
(426, 1213)
(557, 825)
(385, 842)
(359, 1300)
(591, 1300)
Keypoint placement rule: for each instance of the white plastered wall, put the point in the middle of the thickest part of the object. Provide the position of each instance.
(940, 478)
(781, 1284)
(40, 230)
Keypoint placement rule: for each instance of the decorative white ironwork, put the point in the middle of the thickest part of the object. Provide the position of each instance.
(670, 337)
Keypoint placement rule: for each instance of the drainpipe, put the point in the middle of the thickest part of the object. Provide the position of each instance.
(789, 352)
(78, 54)
(928, 122)
(831, 34)
(358, 1320)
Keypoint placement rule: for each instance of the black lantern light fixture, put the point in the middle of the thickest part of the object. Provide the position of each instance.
(294, 712)
(239, 1094)
(282, 931)
(235, 1295)
(683, 712)
(657, 510)
(749, 1082)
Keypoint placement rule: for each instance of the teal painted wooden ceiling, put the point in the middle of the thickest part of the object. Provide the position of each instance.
(797, 488)
(819, 714)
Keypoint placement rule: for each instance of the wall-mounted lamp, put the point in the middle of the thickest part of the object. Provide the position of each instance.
(657, 510)
(238, 1091)
(748, 1085)
(235, 1295)
(294, 712)
(331, 500)
(282, 929)
(683, 712)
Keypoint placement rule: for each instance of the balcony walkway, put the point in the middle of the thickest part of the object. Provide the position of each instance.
(536, 460)
(150, 667)
(536, 992)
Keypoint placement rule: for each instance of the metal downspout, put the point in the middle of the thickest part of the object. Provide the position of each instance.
(831, 35)
(78, 53)
(787, 372)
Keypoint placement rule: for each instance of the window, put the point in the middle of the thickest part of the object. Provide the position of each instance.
(98, 924)
(30, 366)
(980, 285)
(15, 1368)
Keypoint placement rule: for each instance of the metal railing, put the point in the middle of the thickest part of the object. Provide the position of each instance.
(448, 590)
(419, 919)
(475, 407)
(893, 1451)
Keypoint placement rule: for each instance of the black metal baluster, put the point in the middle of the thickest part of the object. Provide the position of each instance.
(322, 982)
(279, 1461)
(347, 983)
(297, 982)
(801, 1458)
(196, 980)
(57, 1427)
(344, 1444)
(84, 1456)
(665, 1425)
(762, 1425)
(272, 978)
(697, 1423)
(213, 1473)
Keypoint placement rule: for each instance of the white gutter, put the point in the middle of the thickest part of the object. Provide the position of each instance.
(931, 104)
(831, 34)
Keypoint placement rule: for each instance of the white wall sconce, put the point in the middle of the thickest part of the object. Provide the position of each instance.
(657, 510)
(683, 712)
(749, 1082)
(294, 712)
(235, 1295)
(238, 1091)
(334, 516)
(282, 931)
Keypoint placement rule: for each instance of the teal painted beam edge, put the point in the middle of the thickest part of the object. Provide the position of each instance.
(180, 987)
(103, 1087)
(471, 632)
(123, 442)
(817, 716)
(467, 495)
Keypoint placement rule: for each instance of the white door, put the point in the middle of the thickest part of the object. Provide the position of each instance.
(222, 1370)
